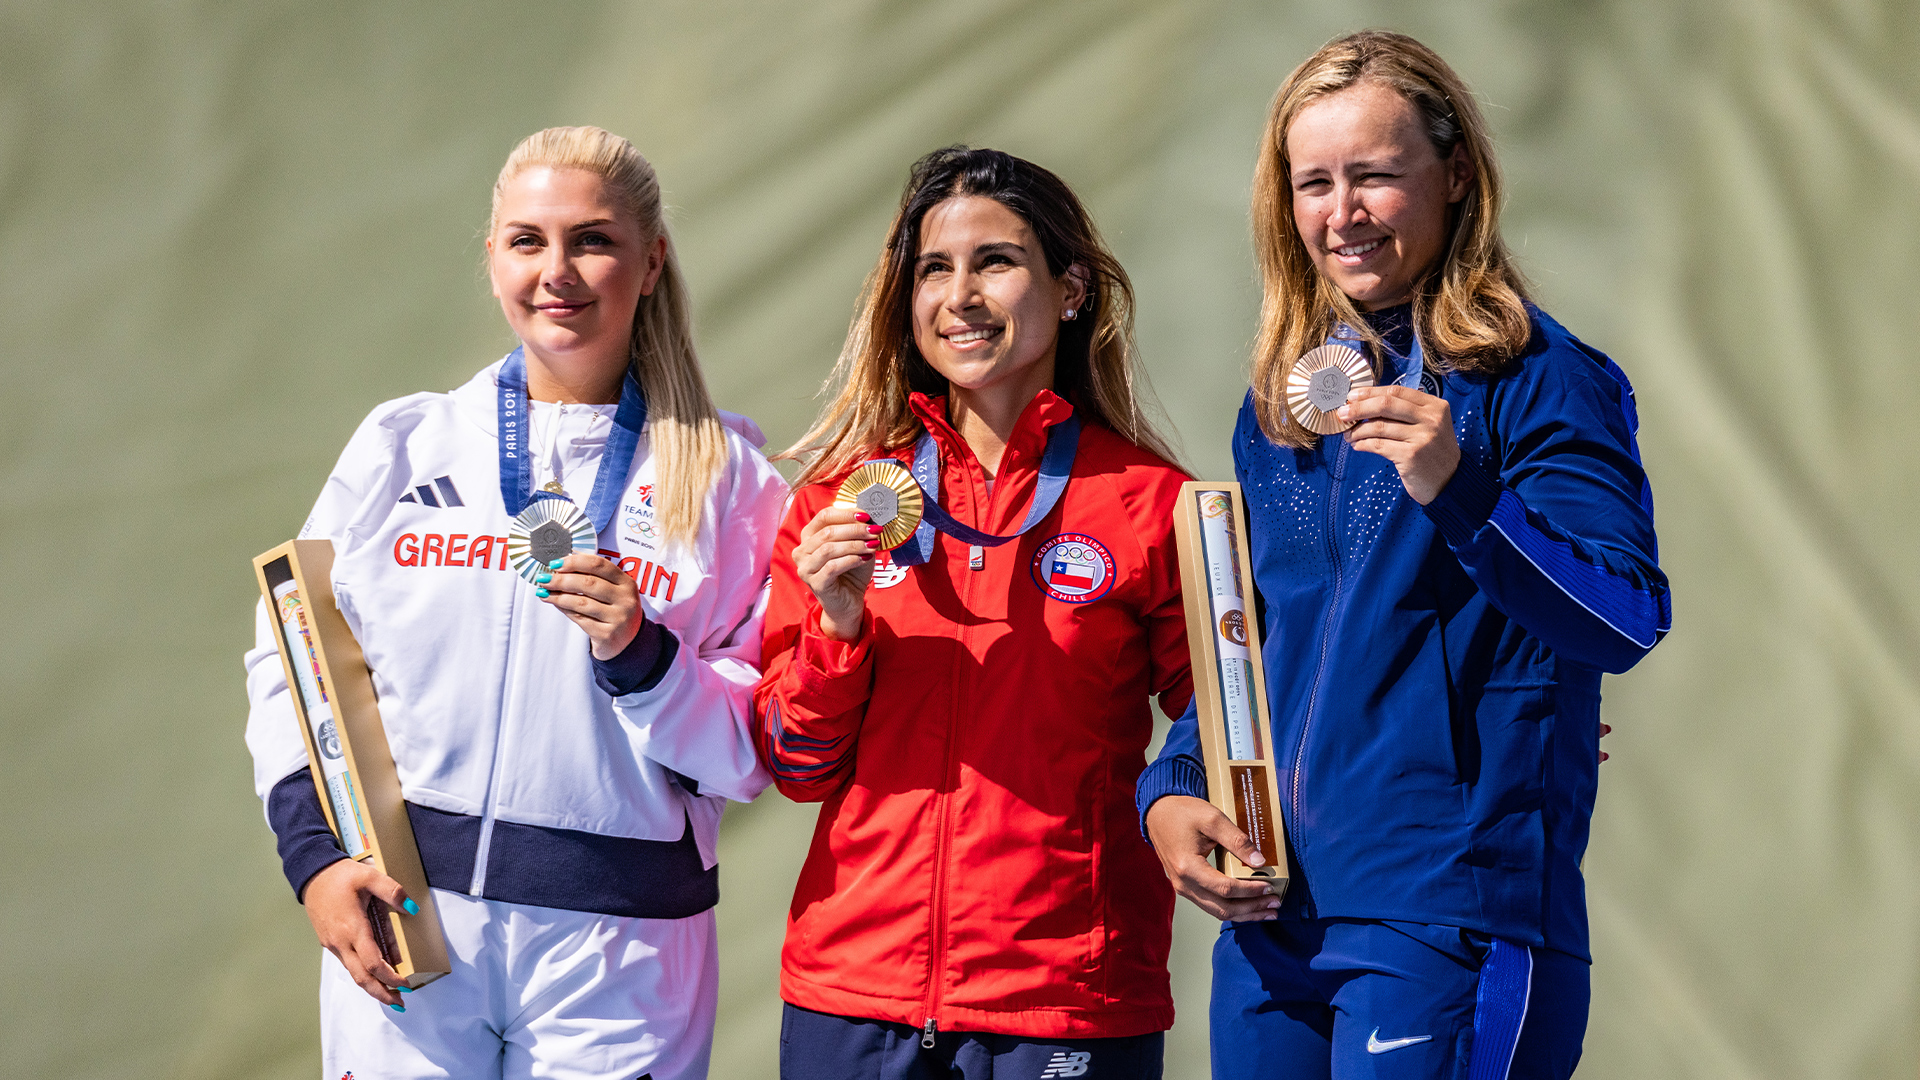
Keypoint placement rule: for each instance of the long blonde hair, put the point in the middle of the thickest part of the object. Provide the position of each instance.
(1470, 311)
(688, 441)
(1095, 366)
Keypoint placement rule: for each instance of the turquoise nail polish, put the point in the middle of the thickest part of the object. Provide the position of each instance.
(411, 909)
(542, 593)
(398, 1008)
(555, 564)
(543, 578)
(404, 989)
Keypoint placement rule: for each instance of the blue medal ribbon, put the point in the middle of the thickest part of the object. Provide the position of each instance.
(1415, 358)
(1056, 467)
(516, 457)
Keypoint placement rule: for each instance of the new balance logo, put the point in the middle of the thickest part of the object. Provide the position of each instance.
(1065, 1064)
(424, 493)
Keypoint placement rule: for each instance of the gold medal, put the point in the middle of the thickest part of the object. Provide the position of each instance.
(1320, 382)
(885, 491)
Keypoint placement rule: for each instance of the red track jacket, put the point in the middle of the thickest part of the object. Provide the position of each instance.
(977, 864)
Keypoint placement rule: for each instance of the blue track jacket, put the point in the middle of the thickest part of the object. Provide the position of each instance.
(1434, 672)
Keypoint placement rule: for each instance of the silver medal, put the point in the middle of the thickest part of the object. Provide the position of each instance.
(546, 530)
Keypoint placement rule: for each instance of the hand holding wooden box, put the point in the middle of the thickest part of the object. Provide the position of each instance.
(339, 717)
(1229, 680)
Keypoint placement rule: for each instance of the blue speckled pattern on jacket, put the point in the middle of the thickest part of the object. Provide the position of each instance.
(1434, 672)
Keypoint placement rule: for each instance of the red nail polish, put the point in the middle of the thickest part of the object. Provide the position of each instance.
(876, 529)
(873, 543)
(861, 515)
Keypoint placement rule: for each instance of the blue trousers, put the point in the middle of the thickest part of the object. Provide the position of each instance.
(1341, 999)
(822, 1046)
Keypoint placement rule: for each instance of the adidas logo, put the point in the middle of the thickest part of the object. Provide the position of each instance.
(1065, 1064)
(424, 493)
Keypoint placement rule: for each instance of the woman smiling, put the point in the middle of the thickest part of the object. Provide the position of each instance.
(1443, 578)
(566, 742)
(972, 709)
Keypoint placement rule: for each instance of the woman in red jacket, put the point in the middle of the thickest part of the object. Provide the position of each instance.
(972, 708)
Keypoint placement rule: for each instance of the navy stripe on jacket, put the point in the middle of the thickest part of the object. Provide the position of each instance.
(526, 864)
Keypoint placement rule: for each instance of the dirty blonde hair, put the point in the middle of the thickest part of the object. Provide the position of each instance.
(1470, 310)
(683, 427)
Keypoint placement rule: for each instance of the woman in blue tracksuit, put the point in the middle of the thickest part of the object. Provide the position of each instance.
(1441, 587)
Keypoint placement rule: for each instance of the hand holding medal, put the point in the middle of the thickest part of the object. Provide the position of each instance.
(900, 511)
(1407, 426)
(552, 543)
(888, 495)
(877, 508)
(550, 528)
(834, 558)
(591, 590)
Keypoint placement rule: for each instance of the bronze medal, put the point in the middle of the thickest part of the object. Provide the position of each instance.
(1320, 382)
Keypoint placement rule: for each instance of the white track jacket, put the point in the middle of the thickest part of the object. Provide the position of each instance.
(526, 780)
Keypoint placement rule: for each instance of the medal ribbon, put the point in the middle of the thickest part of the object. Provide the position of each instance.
(516, 457)
(1348, 336)
(1056, 467)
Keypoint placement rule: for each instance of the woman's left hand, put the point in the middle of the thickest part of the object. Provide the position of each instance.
(600, 599)
(1411, 429)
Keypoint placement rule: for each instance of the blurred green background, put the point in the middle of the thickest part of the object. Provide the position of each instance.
(227, 231)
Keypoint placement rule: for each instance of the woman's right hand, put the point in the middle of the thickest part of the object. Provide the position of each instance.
(835, 558)
(336, 900)
(1184, 831)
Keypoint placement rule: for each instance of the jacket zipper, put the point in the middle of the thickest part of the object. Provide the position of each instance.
(943, 830)
(1337, 476)
(489, 808)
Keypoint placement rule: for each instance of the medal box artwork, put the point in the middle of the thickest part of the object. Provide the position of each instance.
(339, 718)
(1229, 680)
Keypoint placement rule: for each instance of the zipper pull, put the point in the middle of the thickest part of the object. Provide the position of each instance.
(926, 1034)
(976, 557)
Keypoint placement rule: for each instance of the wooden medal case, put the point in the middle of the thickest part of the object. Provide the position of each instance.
(412, 944)
(1230, 692)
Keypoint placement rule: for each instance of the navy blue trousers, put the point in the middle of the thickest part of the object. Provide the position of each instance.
(1341, 999)
(822, 1046)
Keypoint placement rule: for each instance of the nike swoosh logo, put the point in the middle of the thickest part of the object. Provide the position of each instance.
(1375, 1046)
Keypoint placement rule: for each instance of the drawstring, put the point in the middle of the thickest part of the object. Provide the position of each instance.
(549, 452)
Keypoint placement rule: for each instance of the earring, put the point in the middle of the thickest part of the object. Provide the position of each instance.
(1068, 317)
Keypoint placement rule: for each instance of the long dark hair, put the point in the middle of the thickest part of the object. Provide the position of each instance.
(1095, 367)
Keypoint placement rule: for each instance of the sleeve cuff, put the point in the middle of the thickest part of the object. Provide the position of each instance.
(1465, 504)
(300, 830)
(822, 658)
(1176, 774)
(827, 677)
(641, 665)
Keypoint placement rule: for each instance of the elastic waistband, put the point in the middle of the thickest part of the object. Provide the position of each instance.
(567, 869)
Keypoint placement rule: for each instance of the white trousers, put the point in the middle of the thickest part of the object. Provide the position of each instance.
(536, 992)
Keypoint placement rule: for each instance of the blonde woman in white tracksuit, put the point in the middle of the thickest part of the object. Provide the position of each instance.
(566, 740)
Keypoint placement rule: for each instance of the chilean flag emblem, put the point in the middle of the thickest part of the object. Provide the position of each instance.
(1073, 568)
(1069, 572)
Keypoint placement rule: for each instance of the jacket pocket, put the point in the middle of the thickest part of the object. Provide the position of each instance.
(1504, 802)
